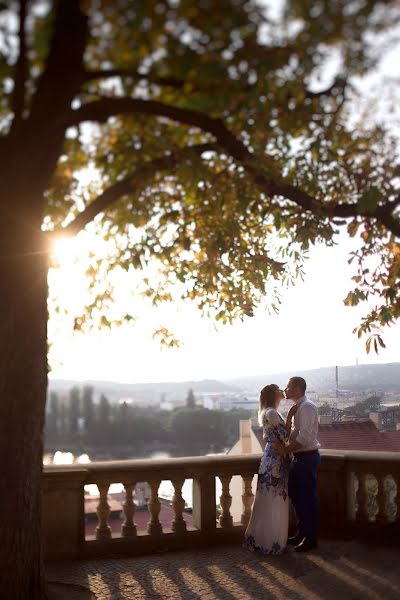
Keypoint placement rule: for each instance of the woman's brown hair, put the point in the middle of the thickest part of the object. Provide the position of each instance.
(267, 398)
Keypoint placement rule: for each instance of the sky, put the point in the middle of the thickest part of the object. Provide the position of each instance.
(313, 328)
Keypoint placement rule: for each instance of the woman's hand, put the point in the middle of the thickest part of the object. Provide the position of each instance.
(292, 412)
(279, 448)
(289, 418)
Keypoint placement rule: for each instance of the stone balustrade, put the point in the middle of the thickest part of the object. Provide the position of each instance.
(358, 492)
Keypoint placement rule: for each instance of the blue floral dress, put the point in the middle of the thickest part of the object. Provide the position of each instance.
(267, 530)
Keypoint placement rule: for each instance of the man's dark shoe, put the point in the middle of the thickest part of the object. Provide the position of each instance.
(306, 545)
(295, 540)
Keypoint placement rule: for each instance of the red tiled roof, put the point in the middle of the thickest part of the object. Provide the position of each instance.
(394, 438)
(356, 435)
(352, 435)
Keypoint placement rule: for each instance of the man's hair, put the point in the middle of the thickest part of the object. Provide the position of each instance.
(300, 383)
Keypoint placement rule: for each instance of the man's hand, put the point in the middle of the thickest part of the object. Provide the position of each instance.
(279, 448)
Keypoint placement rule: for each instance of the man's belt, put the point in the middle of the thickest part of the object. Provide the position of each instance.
(305, 452)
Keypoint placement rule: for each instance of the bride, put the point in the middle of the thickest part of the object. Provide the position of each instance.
(267, 530)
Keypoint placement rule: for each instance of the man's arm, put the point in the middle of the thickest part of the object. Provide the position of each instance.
(304, 436)
(288, 449)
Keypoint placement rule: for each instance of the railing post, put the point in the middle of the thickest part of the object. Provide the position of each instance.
(225, 519)
(154, 527)
(397, 482)
(381, 499)
(178, 504)
(63, 513)
(333, 494)
(204, 509)
(247, 499)
(129, 527)
(103, 530)
(362, 498)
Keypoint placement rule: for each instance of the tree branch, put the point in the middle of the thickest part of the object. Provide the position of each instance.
(132, 184)
(107, 73)
(18, 100)
(101, 110)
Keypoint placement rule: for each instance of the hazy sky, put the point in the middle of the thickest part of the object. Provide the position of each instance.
(313, 327)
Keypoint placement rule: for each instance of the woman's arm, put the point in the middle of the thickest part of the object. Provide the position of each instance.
(289, 418)
(276, 420)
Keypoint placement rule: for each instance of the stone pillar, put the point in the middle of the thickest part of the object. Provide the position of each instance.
(63, 512)
(245, 436)
(204, 513)
(333, 494)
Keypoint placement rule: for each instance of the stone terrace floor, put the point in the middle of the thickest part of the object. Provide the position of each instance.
(337, 571)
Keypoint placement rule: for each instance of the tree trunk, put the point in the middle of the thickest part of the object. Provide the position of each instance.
(23, 385)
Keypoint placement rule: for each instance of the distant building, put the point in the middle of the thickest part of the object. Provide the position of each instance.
(387, 418)
(229, 402)
(313, 396)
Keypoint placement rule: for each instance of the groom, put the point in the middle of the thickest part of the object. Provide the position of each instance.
(303, 444)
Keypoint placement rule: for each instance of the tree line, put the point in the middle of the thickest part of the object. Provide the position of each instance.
(80, 420)
(360, 409)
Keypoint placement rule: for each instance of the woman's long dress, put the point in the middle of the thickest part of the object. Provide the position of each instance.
(267, 530)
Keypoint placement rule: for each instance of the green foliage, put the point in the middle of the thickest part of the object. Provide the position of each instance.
(183, 430)
(74, 409)
(325, 409)
(190, 399)
(239, 152)
(88, 408)
(364, 407)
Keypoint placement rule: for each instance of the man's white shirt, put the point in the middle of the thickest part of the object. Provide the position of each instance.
(305, 426)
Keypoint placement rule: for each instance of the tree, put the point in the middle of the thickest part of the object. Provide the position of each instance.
(196, 426)
(363, 408)
(63, 419)
(325, 409)
(88, 408)
(103, 420)
(74, 410)
(190, 399)
(54, 414)
(216, 154)
(123, 424)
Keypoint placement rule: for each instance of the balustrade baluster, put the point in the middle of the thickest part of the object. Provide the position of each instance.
(247, 498)
(178, 504)
(381, 517)
(103, 530)
(154, 527)
(225, 519)
(397, 499)
(362, 498)
(129, 527)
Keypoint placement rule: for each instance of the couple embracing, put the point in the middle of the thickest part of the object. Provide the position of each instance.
(288, 470)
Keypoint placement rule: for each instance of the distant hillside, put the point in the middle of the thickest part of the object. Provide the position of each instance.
(360, 377)
(150, 392)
